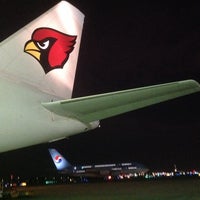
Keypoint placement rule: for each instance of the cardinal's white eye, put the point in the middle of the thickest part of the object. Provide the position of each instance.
(43, 45)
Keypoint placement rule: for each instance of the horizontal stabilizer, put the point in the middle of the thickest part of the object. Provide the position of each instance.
(97, 107)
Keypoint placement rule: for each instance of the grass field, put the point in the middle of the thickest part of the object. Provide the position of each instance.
(136, 190)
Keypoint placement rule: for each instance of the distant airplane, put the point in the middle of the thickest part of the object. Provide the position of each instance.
(119, 170)
(37, 71)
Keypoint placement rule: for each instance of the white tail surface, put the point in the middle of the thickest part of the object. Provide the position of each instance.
(60, 162)
(57, 79)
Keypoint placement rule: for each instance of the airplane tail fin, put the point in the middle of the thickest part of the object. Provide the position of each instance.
(60, 162)
(44, 53)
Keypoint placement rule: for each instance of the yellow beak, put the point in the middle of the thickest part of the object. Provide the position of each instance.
(32, 49)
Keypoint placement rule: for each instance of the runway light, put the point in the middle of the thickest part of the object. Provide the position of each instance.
(50, 182)
(23, 184)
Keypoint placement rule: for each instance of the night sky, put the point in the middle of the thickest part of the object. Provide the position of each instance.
(124, 45)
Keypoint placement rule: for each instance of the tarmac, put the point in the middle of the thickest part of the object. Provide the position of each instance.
(137, 190)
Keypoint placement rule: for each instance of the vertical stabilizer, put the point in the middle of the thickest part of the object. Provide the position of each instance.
(60, 162)
(44, 53)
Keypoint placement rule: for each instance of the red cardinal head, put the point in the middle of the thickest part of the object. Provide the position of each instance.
(50, 47)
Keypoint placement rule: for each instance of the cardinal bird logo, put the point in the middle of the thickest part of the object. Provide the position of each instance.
(50, 47)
